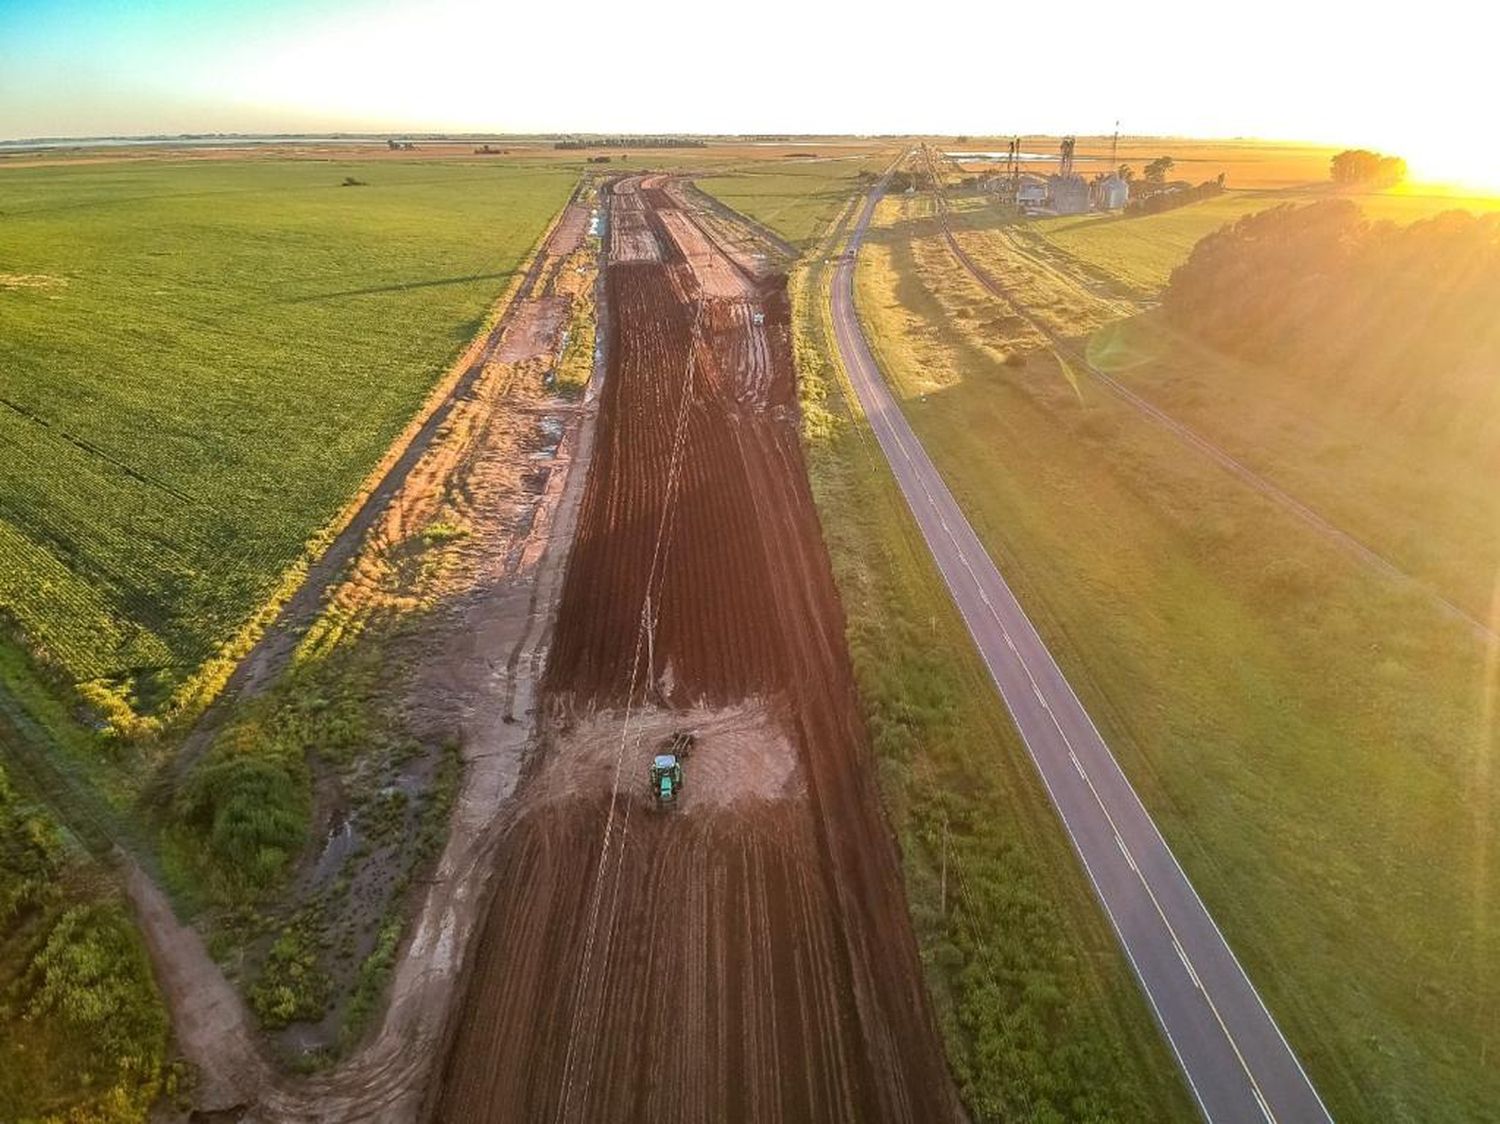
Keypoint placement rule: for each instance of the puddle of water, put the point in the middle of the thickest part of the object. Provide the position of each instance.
(552, 435)
(341, 842)
(971, 156)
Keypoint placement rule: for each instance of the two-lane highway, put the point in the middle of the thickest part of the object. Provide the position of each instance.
(1237, 1062)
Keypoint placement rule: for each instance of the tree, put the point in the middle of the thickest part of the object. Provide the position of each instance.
(1126, 173)
(1156, 171)
(1354, 165)
(1390, 172)
(1361, 166)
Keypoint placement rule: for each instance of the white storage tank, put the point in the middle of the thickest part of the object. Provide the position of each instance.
(1114, 192)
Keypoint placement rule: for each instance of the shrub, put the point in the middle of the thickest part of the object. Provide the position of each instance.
(120, 720)
(373, 974)
(292, 986)
(91, 976)
(249, 802)
(442, 532)
(30, 852)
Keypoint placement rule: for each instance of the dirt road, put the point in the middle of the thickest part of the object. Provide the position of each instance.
(748, 955)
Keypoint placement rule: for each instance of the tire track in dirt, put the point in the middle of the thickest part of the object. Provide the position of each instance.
(747, 956)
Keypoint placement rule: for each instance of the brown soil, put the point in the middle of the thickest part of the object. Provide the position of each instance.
(741, 756)
(570, 232)
(747, 955)
(538, 323)
(631, 238)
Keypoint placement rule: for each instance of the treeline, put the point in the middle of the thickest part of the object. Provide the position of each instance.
(1160, 201)
(902, 181)
(83, 1035)
(631, 142)
(1371, 169)
(1401, 318)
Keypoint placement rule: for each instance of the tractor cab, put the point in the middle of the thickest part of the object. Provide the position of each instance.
(666, 779)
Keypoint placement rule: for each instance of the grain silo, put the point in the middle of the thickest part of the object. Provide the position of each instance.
(1067, 193)
(1114, 189)
(1114, 192)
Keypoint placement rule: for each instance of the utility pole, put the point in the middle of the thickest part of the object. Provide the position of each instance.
(943, 882)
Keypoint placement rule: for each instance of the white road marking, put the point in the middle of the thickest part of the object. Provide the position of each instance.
(857, 362)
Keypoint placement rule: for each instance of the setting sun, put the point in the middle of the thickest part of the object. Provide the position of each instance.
(1450, 153)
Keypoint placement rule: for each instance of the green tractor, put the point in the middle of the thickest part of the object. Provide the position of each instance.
(666, 779)
(666, 769)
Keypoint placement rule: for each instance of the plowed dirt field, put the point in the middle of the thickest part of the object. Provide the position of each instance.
(747, 955)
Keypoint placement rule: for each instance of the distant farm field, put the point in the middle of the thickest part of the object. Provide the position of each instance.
(199, 364)
(1246, 163)
(1141, 252)
(798, 198)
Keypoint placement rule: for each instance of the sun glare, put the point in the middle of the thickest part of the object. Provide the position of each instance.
(1463, 164)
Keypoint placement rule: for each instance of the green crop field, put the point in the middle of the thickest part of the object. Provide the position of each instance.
(1314, 738)
(797, 198)
(200, 361)
(1141, 252)
(1421, 493)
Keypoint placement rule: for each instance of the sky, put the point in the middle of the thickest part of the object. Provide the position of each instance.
(1415, 80)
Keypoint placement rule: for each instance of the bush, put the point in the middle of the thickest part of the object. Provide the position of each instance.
(374, 972)
(1159, 201)
(93, 974)
(1401, 319)
(249, 802)
(443, 532)
(292, 987)
(30, 853)
(120, 720)
(97, 1026)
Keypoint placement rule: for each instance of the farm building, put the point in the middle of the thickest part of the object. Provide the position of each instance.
(1069, 195)
(1113, 193)
(1032, 192)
